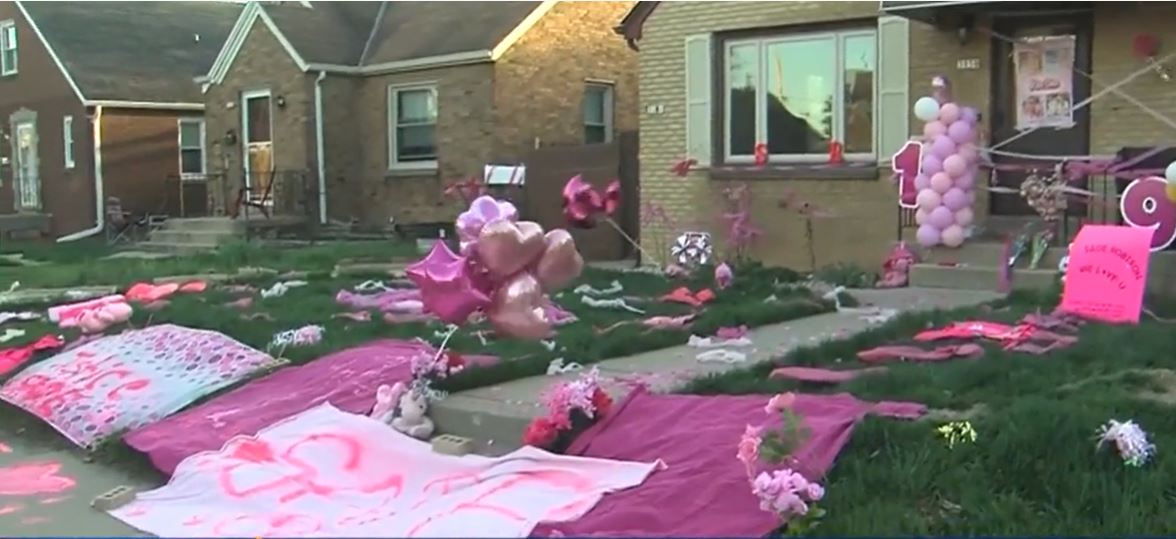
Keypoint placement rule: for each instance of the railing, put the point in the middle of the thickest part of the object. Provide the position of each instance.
(274, 196)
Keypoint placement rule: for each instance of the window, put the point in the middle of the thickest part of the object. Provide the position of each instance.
(8, 56)
(797, 94)
(67, 141)
(191, 148)
(598, 113)
(412, 114)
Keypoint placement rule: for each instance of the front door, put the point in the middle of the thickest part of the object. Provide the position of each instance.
(28, 178)
(258, 145)
(1035, 83)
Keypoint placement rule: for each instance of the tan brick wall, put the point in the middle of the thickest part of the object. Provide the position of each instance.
(342, 146)
(539, 83)
(261, 64)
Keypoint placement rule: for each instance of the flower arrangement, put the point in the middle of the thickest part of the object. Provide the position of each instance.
(782, 491)
(571, 407)
(427, 368)
(1129, 439)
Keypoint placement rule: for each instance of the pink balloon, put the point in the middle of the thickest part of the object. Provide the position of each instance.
(928, 236)
(970, 115)
(941, 218)
(942, 147)
(961, 132)
(968, 152)
(934, 129)
(955, 166)
(941, 182)
(971, 197)
(921, 216)
(964, 216)
(966, 181)
(953, 236)
(931, 164)
(949, 113)
(922, 181)
(954, 199)
(928, 199)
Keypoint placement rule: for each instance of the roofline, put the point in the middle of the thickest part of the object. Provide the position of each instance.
(634, 22)
(52, 54)
(413, 64)
(232, 46)
(367, 45)
(521, 29)
(150, 105)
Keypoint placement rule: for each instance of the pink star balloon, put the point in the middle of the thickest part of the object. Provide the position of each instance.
(447, 288)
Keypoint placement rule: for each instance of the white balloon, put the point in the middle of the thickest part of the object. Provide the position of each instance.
(927, 109)
(1170, 173)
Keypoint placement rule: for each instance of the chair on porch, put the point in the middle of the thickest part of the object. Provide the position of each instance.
(120, 226)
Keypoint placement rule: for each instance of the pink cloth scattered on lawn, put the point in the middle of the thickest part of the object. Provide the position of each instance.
(703, 492)
(822, 376)
(347, 379)
(69, 314)
(558, 315)
(406, 300)
(882, 354)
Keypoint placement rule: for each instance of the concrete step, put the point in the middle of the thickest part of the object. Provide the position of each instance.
(207, 224)
(988, 253)
(199, 237)
(978, 277)
(157, 246)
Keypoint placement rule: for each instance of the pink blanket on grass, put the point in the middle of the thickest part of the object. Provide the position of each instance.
(328, 473)
(703, 492)
(347, 379)
(817, 375)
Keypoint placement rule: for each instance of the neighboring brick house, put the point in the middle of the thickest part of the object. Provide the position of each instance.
(687, 47)
(384, 103)
(97, 100)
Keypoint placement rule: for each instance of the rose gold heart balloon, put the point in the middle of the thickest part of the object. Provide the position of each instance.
(516, 309)
(505, 248)
(561, 262)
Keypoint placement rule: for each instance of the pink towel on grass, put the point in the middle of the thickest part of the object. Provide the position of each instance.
(348, 379)
(822, 376)
(704, 492)
(884, 354)
(68, 315)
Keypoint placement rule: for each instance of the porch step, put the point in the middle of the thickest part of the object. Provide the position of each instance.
(156, 246)
(192, 236)
(985, 277)
(989, 253)
(206, 224)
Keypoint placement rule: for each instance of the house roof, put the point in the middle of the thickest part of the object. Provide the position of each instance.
(143, 52)
(362, 37)
(634, 21)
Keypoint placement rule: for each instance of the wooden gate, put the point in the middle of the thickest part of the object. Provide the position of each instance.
(548, 169)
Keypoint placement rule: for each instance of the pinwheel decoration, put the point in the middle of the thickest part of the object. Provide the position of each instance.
(692, 249)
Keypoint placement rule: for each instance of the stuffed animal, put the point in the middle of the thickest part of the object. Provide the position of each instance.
(411, 419)
(897, 266)
(386, 398)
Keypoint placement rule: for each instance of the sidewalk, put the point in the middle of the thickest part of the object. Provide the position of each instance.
(495, 416)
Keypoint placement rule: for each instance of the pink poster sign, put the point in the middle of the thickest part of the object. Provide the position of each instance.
(1107, 273)
(907, 163)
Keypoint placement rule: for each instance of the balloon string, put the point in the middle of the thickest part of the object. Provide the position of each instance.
(630, 239)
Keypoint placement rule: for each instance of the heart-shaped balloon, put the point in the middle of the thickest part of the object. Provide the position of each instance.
(517, 308)
(505, 248)
(561, 262)
(482, 211)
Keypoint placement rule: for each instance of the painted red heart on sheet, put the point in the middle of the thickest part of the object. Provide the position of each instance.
(33, 478)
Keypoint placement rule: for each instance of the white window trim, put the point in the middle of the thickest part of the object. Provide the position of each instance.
(6, 70)
(180, 152)
(610, 92)
(761, 120)
(67, 141)
(392, 101)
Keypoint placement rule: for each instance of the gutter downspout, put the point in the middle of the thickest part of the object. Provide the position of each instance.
(318, 132)
(99, 194)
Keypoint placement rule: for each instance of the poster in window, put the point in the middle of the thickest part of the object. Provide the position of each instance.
(1044, 73)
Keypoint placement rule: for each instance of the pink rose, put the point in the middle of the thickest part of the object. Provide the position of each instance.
(749, 444)
(780, 402)
(815, 492)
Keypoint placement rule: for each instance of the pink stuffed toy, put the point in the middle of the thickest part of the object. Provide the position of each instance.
(897, 266)
(723, 276)
(387, 398)
(100, 319)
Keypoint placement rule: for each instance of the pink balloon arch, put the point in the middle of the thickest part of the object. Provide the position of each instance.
(946, 177)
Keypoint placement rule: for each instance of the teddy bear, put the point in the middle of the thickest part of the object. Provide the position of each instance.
(397, 405)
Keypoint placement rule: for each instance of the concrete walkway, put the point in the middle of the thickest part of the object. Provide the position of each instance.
(495, 416)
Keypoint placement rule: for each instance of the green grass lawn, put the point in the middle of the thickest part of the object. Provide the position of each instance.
(1033, 469)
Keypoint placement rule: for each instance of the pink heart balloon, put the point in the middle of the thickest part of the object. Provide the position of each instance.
(517, 309)
(505, 248)
(560, 263)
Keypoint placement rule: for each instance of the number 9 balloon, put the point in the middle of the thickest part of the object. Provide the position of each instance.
(1145, 204)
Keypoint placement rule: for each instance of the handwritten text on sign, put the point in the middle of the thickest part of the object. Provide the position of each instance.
(1107, 274)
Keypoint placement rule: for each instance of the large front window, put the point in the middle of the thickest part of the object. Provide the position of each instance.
(798, 94)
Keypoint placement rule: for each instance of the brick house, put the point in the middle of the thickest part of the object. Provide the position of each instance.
(97, 101)
(383, 103)
(693, 52)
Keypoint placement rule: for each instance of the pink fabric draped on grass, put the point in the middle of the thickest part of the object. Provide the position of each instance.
(704, 492)
(348, 379)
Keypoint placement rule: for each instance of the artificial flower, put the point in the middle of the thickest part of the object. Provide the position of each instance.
(956, 433)
(786, 493)
(749, 445)
(780, 403)
(1130, 440)
(541, 432)
(601, 402)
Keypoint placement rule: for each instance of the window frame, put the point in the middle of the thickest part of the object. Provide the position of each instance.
(763, 40)
(181, 148)
(5, 69)
(608, 114)
(393, 122)
(67, 142)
